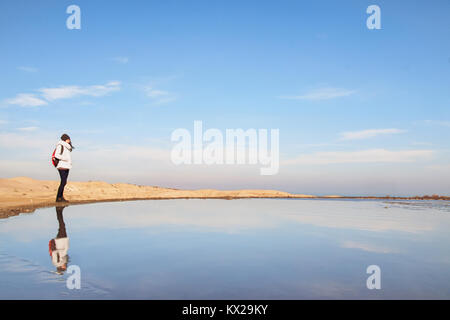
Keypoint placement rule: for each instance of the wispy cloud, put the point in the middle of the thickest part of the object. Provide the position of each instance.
(370, 133)
(122, 60)
(322, 94)
(26, 100)
(438, 123)
(367, 247)
(159, 96)
(27, 69)
(421, 143)
(444, 167)
(28, 129)
(363, 156)
(319, 145)
(26, 139)
(153, 93)
(65, 92)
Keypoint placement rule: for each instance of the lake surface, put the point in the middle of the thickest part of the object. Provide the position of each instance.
(231, 249)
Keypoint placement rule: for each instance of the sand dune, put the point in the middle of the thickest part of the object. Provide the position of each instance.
(24, 194)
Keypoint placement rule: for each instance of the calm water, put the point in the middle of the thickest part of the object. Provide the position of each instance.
(239, 249)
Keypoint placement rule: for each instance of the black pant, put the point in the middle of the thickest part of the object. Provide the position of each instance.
(63, 173)
(62, 226)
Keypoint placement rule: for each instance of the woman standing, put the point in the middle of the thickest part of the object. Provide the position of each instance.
(63, 150)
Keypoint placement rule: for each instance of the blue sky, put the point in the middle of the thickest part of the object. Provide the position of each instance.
(359, 111)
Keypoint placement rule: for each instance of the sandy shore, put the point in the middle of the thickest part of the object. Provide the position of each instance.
(24, 194)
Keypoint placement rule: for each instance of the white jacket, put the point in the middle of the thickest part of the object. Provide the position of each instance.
(65, 159)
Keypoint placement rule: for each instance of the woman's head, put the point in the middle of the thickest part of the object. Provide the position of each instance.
(61, 269)
(65, 137)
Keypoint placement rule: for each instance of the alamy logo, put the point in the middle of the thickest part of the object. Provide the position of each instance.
(74, 280)
(374, 280)
(238, 147)
(374, 20)
(74, 20)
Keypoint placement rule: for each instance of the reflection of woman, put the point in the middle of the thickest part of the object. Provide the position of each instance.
(59, 246)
